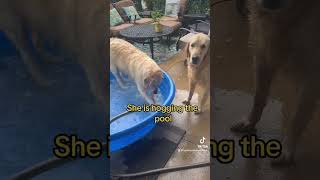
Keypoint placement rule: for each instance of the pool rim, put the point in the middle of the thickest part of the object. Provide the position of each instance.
(146, 120)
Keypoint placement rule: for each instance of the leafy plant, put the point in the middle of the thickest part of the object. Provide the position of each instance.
(156, 15)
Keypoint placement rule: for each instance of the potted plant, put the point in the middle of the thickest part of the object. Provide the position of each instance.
(156, 15)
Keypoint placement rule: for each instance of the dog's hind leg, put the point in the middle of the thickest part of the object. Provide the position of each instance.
(114, 70)
(304, 111)
(264, 76)
(17, 35)
(120, 79)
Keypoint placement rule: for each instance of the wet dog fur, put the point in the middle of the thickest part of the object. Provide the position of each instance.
(126, 58)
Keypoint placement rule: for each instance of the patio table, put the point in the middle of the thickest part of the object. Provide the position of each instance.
(145, 34)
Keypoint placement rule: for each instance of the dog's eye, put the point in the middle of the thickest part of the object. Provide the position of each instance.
(192, 45)
(203, 46)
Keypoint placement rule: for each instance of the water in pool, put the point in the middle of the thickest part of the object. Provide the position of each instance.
(120, 98)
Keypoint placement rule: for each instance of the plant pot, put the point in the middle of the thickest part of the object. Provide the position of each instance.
(157, 27)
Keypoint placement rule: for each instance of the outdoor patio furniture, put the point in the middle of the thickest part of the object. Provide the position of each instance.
(145, 14)
(200, 27)
(175, 21)
(191, 19)
(126, 3)
(145, 34)
(114, 30)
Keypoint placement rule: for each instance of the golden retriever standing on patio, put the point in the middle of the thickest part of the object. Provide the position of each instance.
(126, 58)
(198, 60)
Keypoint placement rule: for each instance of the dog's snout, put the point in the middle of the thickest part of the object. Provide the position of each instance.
(272, 4)
(195, 60)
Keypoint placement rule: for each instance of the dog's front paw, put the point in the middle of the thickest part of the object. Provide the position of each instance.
(186, 102)
(243, 127)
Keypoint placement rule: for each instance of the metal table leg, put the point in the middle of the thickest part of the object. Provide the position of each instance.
(168, 41)
(151, 47)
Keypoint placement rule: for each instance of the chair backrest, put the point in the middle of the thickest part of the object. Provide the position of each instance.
(120, 5)
(194, 29)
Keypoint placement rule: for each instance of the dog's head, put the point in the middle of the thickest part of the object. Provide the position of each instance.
(273, 5)
(197, 49)
(153, 80)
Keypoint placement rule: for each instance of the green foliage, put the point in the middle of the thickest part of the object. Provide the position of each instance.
(156, 15)
(137, 4)
(159, 5)
(194, 6)
(198, 7)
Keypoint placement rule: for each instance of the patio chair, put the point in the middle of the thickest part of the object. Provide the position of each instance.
(126, 3)
(201, 26)
(115, 30)
(172, 18)
(184, 38)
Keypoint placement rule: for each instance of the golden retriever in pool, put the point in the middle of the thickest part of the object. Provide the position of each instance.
(198, 61)
(127, 59)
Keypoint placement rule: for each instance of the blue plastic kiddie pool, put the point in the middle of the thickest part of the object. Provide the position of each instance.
(134, 126)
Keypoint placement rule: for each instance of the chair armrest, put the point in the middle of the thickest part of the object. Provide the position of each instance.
(188, 30)
(204, 22)
(129, 19)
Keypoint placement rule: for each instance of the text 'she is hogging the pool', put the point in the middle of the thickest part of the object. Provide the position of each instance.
(166, 110)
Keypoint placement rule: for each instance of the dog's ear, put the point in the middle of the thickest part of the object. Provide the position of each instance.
(154, 76)
(207, 55)
(158, 75)
(146, 82)
(186, 50)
